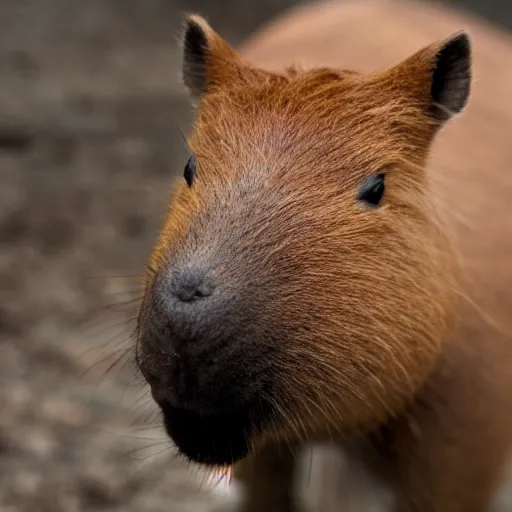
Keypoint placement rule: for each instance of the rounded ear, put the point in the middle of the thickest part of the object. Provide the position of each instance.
(451, 76)
(208, 60)
(195, 54)
(438, 76)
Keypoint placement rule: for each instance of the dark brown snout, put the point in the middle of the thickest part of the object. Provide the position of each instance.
(196, 350)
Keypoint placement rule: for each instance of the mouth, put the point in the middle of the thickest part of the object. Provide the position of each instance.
(218, 439)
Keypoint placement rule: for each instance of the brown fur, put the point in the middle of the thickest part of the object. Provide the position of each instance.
(392, 324)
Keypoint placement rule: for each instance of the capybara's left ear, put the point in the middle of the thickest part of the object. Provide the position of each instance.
(451, 77)
(438, 76)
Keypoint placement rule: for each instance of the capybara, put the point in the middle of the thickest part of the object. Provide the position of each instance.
(336, 263)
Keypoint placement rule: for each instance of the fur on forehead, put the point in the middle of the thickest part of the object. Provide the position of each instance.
(298, 119)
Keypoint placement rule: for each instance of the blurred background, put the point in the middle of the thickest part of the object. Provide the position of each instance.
(90, 113)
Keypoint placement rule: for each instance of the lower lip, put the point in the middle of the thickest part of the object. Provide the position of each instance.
(211, 439)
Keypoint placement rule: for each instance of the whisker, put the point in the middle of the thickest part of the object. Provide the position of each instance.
(146, 428)
(93, 278)
(124, 351)
(148, 447)
(137, 438)
(99, 312)
(125, 338)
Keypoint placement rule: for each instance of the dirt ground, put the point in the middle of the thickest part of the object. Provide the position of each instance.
(90, 112)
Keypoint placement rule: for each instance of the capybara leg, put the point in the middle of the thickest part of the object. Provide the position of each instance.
(267, 479)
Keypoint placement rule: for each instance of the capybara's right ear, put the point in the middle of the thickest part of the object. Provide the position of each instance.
(208, 60)
(195, 55)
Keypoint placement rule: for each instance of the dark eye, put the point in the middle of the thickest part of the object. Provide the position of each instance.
(371, 190)
(190, 171)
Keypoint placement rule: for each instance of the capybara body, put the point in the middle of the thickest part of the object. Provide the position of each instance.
(336, 263)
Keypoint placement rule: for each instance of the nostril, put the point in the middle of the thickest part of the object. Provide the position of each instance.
(201, 292)
(193, 284)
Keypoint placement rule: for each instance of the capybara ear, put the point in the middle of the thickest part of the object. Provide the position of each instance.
(195, 54)
(208, 60)
(451, 77)
(438, 76)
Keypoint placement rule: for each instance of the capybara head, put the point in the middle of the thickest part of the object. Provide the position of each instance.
(302, 284)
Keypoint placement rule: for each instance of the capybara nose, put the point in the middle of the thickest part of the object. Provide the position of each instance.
(190, 342)
(182, 311)
(191, 283)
